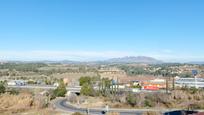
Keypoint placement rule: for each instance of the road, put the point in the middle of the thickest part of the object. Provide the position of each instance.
(46, 87)
(75, 89)
(64, 106)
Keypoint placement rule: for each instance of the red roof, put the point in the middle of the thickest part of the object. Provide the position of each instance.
(151, 88)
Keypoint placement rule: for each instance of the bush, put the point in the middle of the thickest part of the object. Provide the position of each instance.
(61, 90)
(14, 92)
(52, 95)
(84, 80)
(2, 88)
(87, 90)
(32, 82)
(137, 86)
(131, 99)
(148, 103)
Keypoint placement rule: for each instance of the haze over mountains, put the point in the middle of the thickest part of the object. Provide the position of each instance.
(127, 59)
(133, 59)
(122, 60)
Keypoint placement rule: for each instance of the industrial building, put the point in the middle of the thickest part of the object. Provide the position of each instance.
(190, 82)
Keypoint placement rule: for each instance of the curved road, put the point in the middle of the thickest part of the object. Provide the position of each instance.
(63, 105)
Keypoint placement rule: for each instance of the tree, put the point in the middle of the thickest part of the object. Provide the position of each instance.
(105, 86)
(2, 88)
(87, 90)
(61, 90)
(131, 99)
(84, 80)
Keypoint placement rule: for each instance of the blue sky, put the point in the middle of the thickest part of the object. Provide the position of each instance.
(170, 30)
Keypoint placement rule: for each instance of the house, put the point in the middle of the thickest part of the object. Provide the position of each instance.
(154, 84)
(134, 81)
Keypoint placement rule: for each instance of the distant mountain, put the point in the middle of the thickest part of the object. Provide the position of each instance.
(123, 60)
(132, 59)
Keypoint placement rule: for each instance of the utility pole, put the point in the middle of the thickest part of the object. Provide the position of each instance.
(173, 83)
(167, 86)
(196, 86)
(116, 92)
(87, 111)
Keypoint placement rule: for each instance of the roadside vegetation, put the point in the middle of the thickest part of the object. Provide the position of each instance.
(2, 88)
(184, 98)
(60, 91)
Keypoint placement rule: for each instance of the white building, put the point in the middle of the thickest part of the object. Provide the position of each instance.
(190, 82)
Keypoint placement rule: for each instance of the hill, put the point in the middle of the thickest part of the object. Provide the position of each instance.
(132, 59)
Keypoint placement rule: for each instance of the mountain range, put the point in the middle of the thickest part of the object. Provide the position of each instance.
(122, 60)
(133, 59)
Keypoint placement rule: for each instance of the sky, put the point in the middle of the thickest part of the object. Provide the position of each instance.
(83, 30)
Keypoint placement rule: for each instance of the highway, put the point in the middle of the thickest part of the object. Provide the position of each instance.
(74, 89)
(46, 87)
(63, 105)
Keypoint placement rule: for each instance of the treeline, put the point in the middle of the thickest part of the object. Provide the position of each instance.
(24, 67)
(156, 70)
(131, 70)
(9, 68)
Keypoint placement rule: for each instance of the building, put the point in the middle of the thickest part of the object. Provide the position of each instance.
(189, 82)
(155, 84)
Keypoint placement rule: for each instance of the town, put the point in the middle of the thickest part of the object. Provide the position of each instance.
(118, 86)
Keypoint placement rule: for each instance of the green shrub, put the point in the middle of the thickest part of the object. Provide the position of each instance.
(84, 80)
(147, 103)
(2, 88)
(131, 99)
(14, 92)
(61, 90)
(87, 90)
